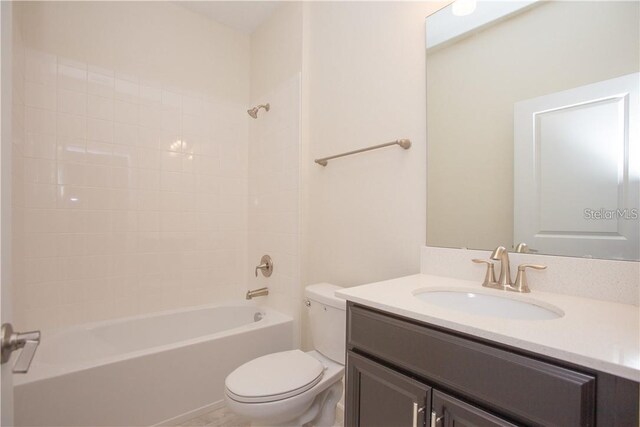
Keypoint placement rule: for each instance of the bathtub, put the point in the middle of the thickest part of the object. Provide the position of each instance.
(157, 369)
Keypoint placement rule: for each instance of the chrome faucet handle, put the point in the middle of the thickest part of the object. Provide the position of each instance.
(521, 284)
(490, 275)
(265, 266)
(261, 267)
(11, 341)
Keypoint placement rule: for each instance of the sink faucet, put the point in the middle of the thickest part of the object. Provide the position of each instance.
(500, 253)
(504, 281)
(522, 248)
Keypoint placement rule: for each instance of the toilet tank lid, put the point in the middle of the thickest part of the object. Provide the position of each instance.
(325, 293)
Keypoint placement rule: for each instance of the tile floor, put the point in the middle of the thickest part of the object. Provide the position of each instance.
(223, 417)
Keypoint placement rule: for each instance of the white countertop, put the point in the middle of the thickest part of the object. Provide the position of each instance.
(601, 335)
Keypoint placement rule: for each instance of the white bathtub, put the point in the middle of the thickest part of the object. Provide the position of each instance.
(145, 370)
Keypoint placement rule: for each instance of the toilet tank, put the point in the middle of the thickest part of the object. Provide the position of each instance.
(327, 320)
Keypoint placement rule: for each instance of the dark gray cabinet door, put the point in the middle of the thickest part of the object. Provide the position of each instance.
(554, 396)
(380, 397)
(451, 412)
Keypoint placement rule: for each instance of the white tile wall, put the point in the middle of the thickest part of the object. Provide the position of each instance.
(131, 195)
(18, 144)
(274, 185)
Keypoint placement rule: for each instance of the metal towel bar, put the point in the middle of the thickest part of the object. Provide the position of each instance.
(404, 143)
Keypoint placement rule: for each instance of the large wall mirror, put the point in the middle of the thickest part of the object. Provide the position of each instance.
(533, 129)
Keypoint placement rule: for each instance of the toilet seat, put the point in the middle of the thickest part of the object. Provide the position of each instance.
(274, 377)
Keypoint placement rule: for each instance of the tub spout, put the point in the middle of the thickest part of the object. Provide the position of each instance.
(257, 293)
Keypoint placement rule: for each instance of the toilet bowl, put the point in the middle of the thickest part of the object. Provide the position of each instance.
(293, 402)
(294, 388)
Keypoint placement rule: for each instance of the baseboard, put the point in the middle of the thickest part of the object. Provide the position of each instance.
(191, 414)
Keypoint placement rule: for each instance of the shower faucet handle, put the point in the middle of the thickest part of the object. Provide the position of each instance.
(266, 266)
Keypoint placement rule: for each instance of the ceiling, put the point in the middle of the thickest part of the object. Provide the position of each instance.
(243, 16)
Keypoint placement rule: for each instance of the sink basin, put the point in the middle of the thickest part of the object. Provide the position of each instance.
(490, 305)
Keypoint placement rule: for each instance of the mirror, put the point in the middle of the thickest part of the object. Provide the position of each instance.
(533, 127)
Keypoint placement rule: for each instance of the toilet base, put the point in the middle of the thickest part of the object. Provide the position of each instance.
(321, 413)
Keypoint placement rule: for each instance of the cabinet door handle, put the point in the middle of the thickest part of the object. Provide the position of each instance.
(435, 419)
(416, 411)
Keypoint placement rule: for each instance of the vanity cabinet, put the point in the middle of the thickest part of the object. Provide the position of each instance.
(402, 372)
(386, 397)
(449, 411)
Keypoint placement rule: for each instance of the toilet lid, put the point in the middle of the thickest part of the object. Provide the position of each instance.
(273, 377)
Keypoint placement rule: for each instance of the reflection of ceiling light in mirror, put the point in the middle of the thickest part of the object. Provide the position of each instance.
(463, 7)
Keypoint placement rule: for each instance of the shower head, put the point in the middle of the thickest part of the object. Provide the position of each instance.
(253, 112)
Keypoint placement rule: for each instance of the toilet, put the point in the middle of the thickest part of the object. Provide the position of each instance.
(294, 388)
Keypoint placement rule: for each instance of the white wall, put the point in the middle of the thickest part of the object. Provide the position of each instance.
(154, 40)
(276, 50)
(135, 162)
(364, 84)
(10, 64)
(273, 211)
(274, 141)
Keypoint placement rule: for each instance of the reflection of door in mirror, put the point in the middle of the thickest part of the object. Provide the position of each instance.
(502, 54)
(576, 170)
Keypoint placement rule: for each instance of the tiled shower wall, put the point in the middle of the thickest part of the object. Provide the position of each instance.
(274, 184)
(131, 195)
(17, 160)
